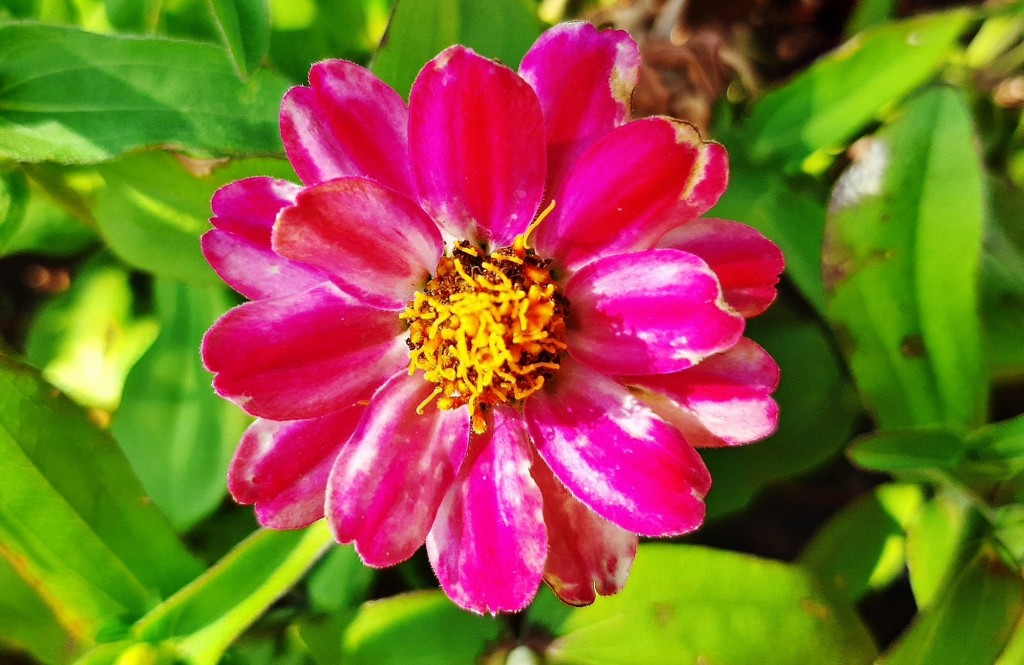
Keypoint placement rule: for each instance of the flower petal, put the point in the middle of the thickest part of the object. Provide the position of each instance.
(304, 355)
(586, 553)
(377, 244)
(650, 312)
(615, 455)
(238, 248)
(723, 401)
(282, 467)
(488, 542)
(748, 265)
(476, 136)
(389, 480)
(584, 80)
(347, 123)
(615, 196)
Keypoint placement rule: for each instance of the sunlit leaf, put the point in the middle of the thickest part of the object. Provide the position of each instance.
(76, 97)
(28, 624)
(176, 432)
(245, 25)
(944, 536)
(901, 259)
(687, 604)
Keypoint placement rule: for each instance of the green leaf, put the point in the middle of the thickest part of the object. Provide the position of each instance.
(970, 622)
(133, 15)
(76, 97)
(340, 581)
(28, 624)
(74, 521)
(901, 260)
(501, 29)
(863, 547)
(1002, 282)
(827, 104)
(816, 414)
(245, 26)
(995, 459)
(153, 211)
(869, 13)
(87, 339)
(49, 229)
(685, 604)
(923, 453)
(420, 628)
(939, 542)
(176, 432)
(13, 199)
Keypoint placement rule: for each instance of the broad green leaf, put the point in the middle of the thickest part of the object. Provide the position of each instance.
(923, 453)
(817, 410)
(420, 628)
(827, 104)
(969, 624)
(13, 200)
(685, 604)
(28, 624)
(501, 29)
(76, 97)
(153, 211)
(74, 520)
(87, 339)
(340, 581)
(863, 547)
(944, 536)
(901, 260)
(176, 432)
(245, 25)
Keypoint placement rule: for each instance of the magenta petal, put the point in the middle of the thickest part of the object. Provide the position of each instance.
(748, 265)
(347, 123)
(282, 467)
(587, 554)
(584, 80)
(238, 248)
(615, 196)
(304, 355)
(488, 542)
(476, 136)
(374, 242)
(615, 455)
(723, 401)
(650, 312)
(389, 480)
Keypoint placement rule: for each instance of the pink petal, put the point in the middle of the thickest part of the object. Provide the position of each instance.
(238, 248)
(376, 243)
(584, 80)
(347, 123)
(650, 312)
(615, 196)
(707, 184)
(615, 455)
(748, 265)
(476, 136)
(282, 467)
(587, 554)
(723, 401)
(488, 542)
(304, 355)
(389, 480)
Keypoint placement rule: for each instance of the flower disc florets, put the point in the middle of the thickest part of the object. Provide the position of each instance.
(487, 329)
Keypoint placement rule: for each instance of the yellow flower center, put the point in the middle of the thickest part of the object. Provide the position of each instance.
(487, 329)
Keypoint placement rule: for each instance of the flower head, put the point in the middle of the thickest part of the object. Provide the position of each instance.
(491, 320)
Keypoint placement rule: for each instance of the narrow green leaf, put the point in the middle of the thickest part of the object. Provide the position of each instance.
(830, 102)
(901, 260)
(420, 628)
(13, 200)
(916, 454)
(687, 604)
(1002, 282)
(28, 624)
(869, 13)
(245, 26)
(340, 581)
(863, 547)
(969, 624)
(176, 432)
(76, 97)
(501, 29)
(153, 211)
(87, 339)
(942, 538)
(91, 555)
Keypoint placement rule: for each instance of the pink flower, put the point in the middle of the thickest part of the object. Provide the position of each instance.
(490, 320)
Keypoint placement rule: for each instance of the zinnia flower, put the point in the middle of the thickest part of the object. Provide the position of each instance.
(490, 320)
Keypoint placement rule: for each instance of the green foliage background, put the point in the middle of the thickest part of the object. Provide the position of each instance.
(884, 170)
